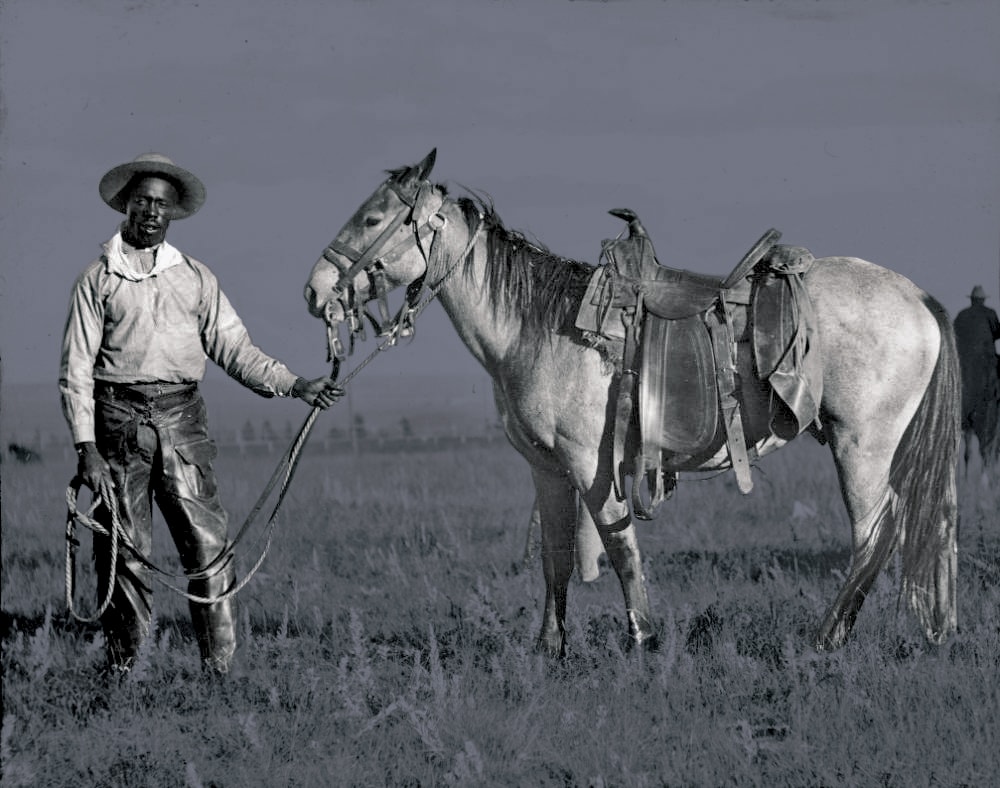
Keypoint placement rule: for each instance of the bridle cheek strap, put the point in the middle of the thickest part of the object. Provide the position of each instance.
(403, 322)
(361, 260)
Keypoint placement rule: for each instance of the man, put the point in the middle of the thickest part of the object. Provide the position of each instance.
(142, 319)
(976, 331)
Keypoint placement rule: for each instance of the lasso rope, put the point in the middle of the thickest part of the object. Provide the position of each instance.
(71, 544)
(287, 466)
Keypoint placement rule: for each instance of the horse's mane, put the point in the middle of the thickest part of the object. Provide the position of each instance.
(524, 277)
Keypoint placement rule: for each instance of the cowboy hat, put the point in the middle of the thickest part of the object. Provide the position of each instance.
(115, 183)
(978, 292)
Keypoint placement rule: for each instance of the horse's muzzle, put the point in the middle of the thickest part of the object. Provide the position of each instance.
(321, 290)
(312, 301)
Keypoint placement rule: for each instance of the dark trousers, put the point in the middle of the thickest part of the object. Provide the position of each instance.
(155, 438)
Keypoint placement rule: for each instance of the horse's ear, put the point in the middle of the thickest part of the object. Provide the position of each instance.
(425, 167)
(417, 172)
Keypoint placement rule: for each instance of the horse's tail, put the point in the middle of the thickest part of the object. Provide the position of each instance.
(923, 477)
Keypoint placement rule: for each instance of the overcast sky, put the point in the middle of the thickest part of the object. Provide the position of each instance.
(855, 127)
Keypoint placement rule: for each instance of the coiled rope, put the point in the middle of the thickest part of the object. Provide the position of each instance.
(72, 544)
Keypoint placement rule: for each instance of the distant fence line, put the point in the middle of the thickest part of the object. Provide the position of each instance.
(58, 447)
(368, 444)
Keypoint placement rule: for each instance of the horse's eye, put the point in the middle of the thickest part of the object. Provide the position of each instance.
(373, 221)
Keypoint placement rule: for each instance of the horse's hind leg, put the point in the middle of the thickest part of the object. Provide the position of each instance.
(556, 501)
(966, 450)
(863, 463)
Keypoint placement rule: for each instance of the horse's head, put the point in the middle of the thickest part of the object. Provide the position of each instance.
(383, 246)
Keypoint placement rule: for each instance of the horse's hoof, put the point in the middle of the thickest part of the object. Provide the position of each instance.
(550, 649)
(647, 643)
(641, 634)
(825, 642)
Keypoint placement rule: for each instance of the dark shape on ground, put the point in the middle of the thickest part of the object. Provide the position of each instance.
(23, 454)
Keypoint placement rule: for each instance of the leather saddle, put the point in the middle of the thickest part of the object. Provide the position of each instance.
(685, 339)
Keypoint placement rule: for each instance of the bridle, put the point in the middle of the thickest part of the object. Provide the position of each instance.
(425, 222)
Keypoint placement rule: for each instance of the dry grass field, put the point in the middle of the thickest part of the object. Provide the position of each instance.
(387, 641)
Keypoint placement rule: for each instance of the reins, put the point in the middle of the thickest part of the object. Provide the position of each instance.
(286, 467)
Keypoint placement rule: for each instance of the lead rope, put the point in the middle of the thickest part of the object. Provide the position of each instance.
(287, 465)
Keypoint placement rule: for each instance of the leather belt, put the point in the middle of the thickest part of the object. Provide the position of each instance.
(159, 395)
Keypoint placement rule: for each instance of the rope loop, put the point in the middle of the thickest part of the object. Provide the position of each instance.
(104, 495)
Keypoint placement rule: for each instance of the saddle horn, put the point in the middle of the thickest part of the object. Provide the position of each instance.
(635, 228)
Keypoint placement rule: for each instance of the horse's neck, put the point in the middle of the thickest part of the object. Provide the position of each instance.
(489, 333)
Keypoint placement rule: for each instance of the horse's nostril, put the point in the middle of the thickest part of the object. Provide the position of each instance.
(310, 295)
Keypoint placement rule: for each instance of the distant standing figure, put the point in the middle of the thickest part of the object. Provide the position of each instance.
(143, 317)
(976, 330)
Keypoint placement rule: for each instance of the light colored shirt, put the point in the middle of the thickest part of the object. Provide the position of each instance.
(127, 325)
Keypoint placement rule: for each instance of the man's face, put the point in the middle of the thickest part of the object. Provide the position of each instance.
(148, 212)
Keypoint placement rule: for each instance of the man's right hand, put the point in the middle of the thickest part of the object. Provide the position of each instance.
(91, 466)
(320, 393)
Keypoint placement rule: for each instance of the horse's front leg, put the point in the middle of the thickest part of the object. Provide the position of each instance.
(556, 501)
(618, 534)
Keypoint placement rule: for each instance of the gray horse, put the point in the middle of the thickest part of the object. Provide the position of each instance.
(890, 401)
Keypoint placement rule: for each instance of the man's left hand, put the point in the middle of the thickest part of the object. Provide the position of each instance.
(320, 393)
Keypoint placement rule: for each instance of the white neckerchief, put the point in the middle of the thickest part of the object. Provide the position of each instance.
(165, 256)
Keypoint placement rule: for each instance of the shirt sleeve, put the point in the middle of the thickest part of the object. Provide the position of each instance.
(227, 342)
(81, 342)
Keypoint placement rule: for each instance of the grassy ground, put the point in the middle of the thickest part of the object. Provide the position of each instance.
(387, 641)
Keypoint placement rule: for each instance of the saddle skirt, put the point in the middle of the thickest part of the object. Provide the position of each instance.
(717, 367)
